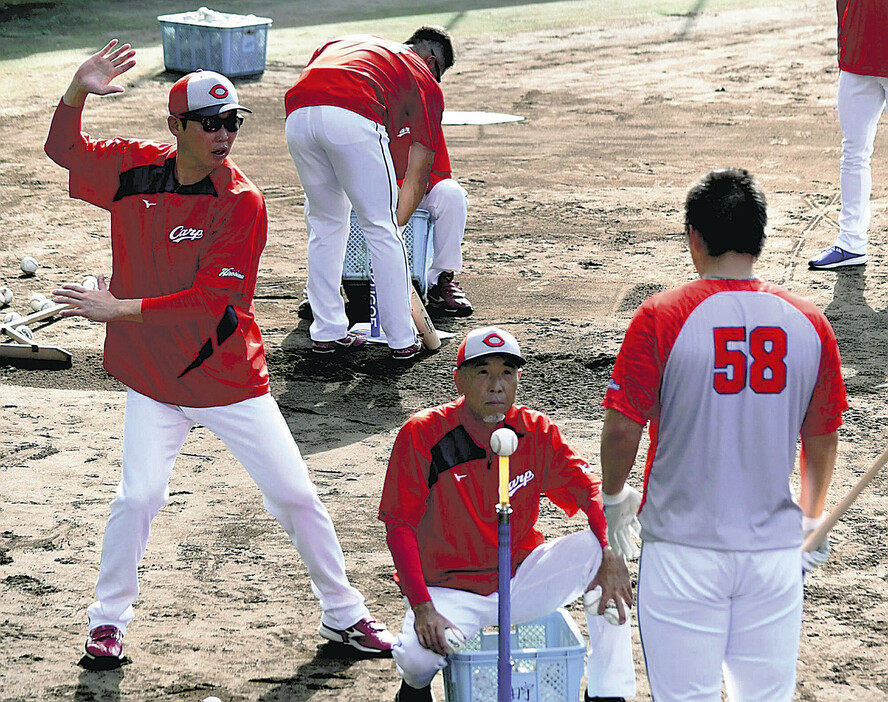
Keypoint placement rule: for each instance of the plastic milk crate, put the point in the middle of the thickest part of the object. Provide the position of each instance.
(233, 45)
(418, 237)
(548, 661)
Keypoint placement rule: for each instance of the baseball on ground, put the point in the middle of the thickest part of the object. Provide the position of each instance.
(504, 442)
(25, 331)
(5, 296)
(37, 301)
(29, 265)
(90, 282)
(10, 317)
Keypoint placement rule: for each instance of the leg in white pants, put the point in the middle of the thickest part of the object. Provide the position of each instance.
(555, 574)
(153, 434)
(703, 612)
(448, 205)
(344, 158)
(861, 101)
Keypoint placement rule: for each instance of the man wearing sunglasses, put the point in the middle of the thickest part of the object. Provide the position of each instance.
(187, 231)
(353, 97)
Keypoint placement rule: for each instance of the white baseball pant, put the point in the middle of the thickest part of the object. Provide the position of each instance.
(447, 203)
(861, 101)
(343, 161)
(553, 575)
(704, 613)
(257, 434)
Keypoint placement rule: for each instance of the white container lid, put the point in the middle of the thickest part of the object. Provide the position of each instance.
(205, 17)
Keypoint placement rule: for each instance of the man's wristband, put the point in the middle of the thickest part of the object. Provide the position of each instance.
(611, 500)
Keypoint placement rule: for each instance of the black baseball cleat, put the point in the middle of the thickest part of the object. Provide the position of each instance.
(447, 298)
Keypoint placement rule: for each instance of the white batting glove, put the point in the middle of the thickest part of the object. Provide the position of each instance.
(812, 559)
(621, 511)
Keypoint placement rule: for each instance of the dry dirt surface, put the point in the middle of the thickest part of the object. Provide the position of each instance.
(575, 217)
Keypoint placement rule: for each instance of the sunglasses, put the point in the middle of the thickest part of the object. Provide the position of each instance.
(214, 123)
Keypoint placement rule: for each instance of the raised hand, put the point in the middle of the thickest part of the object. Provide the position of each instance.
(95, 75)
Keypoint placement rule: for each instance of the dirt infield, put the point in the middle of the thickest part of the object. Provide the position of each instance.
(575, 216)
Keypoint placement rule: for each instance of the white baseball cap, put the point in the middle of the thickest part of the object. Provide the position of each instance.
(488, 341)
(205, 92)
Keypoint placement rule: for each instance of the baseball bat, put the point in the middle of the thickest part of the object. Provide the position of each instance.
(504, 576)
(816, 537)
(427, 331)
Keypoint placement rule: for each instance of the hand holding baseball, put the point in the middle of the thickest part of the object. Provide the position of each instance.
(97, 305)
(434, 632)
(614, 589)
(623, 529)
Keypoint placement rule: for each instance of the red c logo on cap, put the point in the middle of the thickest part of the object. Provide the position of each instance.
(219, 91)
(494, 340)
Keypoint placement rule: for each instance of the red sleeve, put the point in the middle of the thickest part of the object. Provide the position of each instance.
(441, 169)
(425, 110)
(829, 398)
(228, 267)
(405, 489)
(93, 164)
(402, 543)
(569, 483)
(635, 380)
(402, 506)
(400, 150)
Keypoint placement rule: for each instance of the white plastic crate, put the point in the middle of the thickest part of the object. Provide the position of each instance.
(548, 661)
(418, 237)
(233, 45)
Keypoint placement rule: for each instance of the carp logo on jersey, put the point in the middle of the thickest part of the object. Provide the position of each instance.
(520, 481)
(183, 233)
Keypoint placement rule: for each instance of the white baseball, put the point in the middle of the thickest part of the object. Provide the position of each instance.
(5, 296)
(590, 603)
(46, 305)
(29, 265)
(455, 640)
(206, 699)
(10, 317)
(36, 301)
(504, 442)
(25, 331)
(90, 282)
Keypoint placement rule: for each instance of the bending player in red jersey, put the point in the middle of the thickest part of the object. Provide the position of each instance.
(438, 507)
(353, 97)
(447, 203)
(187, 230)
(729, 370)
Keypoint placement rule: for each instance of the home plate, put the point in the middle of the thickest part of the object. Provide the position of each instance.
(451, 117)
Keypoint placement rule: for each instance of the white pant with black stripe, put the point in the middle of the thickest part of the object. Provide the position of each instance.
(344, 162)
(257, 434)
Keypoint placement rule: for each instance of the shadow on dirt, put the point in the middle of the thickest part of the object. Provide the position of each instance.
(99, 685)
(329, 663)
(860, 330)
